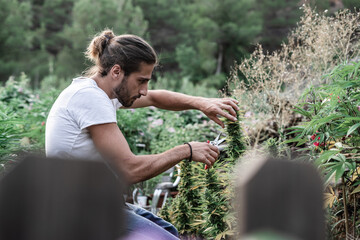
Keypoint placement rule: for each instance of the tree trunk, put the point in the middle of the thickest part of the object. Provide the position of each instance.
(219, 60)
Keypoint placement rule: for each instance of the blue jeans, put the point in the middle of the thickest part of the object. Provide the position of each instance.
(142, 223)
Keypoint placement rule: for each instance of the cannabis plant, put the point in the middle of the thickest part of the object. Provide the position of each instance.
(216, 206)
(218, 216)
(202, 207)
(166, 212)
(332, 134)
(235, 138)
(187, 203)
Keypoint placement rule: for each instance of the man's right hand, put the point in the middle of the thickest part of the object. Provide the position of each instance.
(204, 152)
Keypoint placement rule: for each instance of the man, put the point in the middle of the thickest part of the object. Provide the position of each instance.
(82, 121)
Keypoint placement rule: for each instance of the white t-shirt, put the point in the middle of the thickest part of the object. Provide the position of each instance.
(79, 106)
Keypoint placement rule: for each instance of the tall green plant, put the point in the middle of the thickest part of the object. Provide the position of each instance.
(202, 206)
(186, 210)
(15, 37)
(332, 134)
(216, 206)
(236, 145)
(218, 211)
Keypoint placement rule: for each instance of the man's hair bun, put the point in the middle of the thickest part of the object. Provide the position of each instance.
(98, 45)
(127, 50)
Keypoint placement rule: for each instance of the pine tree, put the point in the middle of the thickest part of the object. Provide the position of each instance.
(15, 37)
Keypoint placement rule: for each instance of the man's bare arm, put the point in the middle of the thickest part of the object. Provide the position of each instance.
(211, 107)
(113, 146)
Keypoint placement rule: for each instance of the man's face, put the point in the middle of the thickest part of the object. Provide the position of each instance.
(134, 85)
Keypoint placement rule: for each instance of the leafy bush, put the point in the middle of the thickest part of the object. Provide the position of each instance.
(10, 133)
(270, 84)
(23, 115)
(331, 131)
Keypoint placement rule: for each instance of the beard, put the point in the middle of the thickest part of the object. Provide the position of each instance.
(123, 94)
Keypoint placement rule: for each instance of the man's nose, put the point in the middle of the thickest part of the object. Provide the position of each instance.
(143, 90)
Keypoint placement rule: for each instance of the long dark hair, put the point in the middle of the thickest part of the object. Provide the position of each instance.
(129, 51)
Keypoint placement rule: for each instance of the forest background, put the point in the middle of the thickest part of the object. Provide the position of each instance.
(197, 41)
(204, 46)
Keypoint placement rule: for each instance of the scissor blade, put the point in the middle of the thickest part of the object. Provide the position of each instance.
(217, 138)
(222, 147)
(220, 141)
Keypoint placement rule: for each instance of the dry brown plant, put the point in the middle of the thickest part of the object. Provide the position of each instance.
(274, 82)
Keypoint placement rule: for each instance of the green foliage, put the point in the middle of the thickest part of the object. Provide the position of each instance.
(90, 17)
(165, 212)
(219, 32)
(280, 16)
(216, 204)
(196, 39)
(171, 129)
(10, 133)
(272, 147)
(331, 130)
(155, 131)
(55, 15)
(16, 93)
(236, 145)
(202, 38)
(218, 218)
(202, 207)
(152, 130)
(16, 99)
(133, 124)
(351, 4)
(29, 108)
(15, 36)
(182, 217)
(274, 81)
(183, 212)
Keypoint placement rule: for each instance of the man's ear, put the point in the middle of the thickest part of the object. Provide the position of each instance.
(116, 71)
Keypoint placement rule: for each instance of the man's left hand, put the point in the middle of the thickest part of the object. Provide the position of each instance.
(215, 107)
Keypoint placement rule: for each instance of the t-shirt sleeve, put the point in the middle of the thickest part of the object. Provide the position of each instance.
(116, 103)
(91, 106)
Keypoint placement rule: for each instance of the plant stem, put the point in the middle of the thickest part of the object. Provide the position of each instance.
(354, 220)
(351, 148)
(345, 208)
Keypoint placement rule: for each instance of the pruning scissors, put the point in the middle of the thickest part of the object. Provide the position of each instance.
(216, 142)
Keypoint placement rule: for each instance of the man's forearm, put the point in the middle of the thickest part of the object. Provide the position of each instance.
(213, 108)
(143, 167)
(174, 101)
